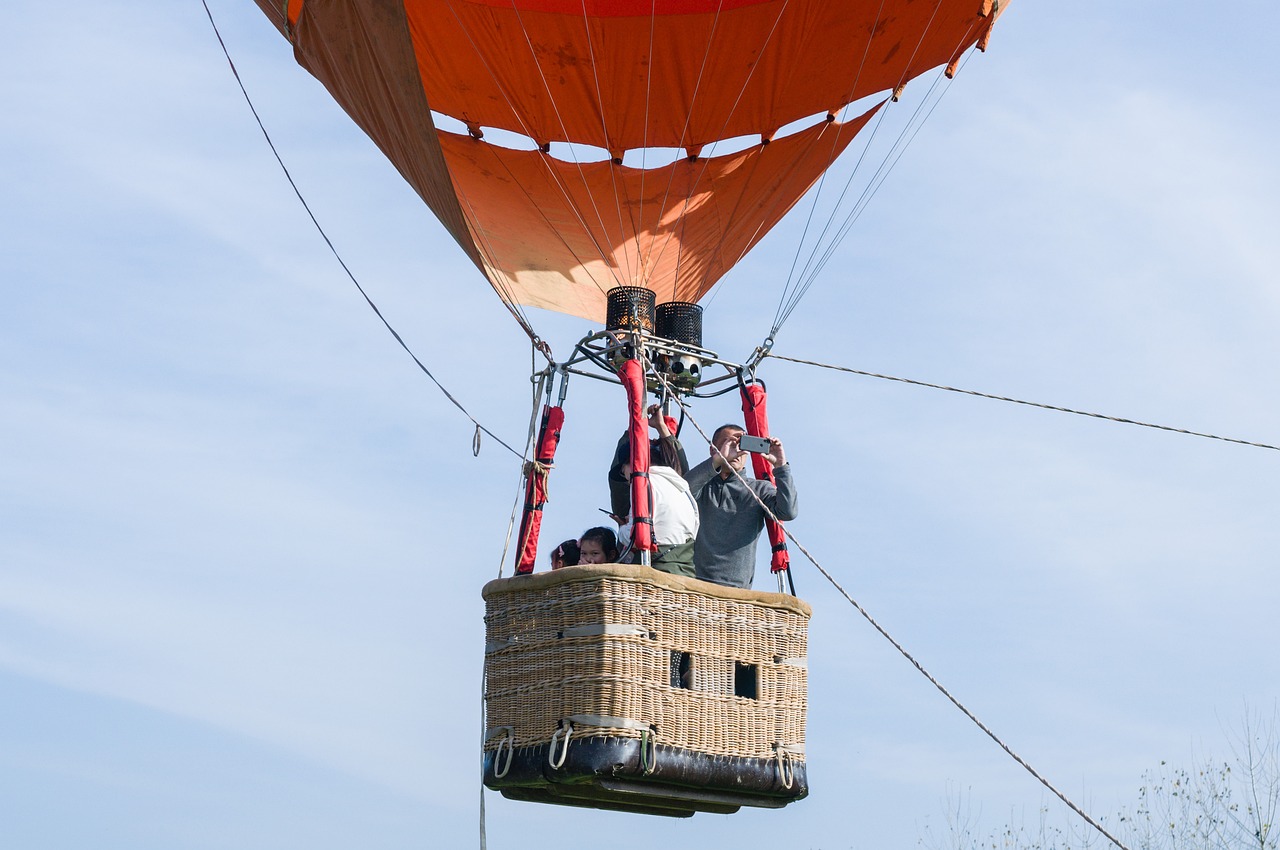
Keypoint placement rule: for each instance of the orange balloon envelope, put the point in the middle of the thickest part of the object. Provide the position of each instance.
(619, 76)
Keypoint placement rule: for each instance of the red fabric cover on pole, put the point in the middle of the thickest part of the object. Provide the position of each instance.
(535, 488)
(632, 375)
(757, 421)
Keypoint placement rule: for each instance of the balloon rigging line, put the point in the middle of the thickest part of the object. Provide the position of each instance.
(604, 132)
(651, 261)
(810, 271)
(855, 215)
(810, 274)
(806, 277)
(236, 73)
(903, 651)
(875, 130)
(1118, 419)
(555, 108)
(551, 171)
(564, 131)
(728, 116)
(538, 387)
(638, 222)
(748, 244)
(831, 158)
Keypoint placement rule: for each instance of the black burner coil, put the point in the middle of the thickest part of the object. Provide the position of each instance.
(680, 321)
(630, 308)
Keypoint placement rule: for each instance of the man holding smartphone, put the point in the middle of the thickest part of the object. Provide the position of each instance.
(731, 517)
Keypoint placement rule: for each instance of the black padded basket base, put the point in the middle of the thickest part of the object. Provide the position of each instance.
(605, 773)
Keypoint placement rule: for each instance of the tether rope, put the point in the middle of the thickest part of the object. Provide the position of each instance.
(288, 176)
(538, 387)
(902, 650)
(1119, 419)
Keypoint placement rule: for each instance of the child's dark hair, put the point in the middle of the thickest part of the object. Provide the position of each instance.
(567, 553)
(605, 537)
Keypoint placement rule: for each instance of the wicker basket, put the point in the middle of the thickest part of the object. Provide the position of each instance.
(619, 686)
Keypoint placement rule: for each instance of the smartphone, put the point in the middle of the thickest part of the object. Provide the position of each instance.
(755, 445)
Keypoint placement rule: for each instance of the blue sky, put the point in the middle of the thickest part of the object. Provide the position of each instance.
(242, 538)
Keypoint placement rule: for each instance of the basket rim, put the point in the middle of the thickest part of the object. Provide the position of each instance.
(644, 575)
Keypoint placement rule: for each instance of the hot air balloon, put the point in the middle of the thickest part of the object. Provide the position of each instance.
(584, 178)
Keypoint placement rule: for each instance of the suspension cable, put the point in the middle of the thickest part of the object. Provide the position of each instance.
(882, 174)
(551, 171)
(1119, 419)
(902, 650)
(422, 366)
(820, 254)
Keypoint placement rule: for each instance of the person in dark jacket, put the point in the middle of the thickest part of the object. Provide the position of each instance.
(665, 451)
(674, 518)
(731, 518)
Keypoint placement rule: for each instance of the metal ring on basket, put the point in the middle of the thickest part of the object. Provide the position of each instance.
(649, 750)
(567, 728)
(509, 741)
(788, 779)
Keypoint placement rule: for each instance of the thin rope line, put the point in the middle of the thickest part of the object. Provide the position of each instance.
(706, 161)
(857, 214)
(555, 176)
(905, 654)
(564, 131)
(484, 669)
(1119, 419)
(651, 261)
(906, 69)
(604, 131)
(819, 255)
(638, 221)
(236, 73)
(831, 158)
(520, 484)
(791, 284)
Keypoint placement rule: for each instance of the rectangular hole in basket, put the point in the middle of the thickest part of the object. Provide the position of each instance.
(681, 670)
(746, 680)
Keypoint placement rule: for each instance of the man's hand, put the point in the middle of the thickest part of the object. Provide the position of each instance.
(732, 456)
(658, 421)
(776, 455)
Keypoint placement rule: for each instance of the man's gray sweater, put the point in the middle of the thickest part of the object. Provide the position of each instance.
(725, 550)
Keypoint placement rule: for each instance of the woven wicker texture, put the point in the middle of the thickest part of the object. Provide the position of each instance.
(608, 640)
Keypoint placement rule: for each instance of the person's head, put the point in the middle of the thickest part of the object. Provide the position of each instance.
(565, 555)
(598, 545)
(725, 442)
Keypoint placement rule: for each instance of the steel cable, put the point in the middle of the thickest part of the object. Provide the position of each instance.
(907, 655)
(1119, 419)
(288, 176)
